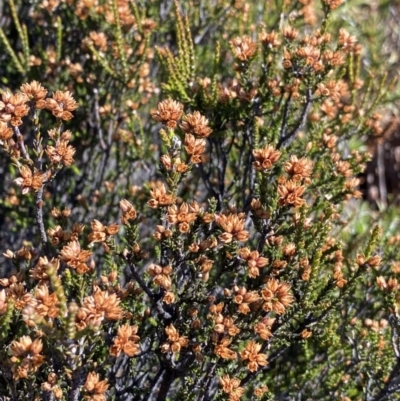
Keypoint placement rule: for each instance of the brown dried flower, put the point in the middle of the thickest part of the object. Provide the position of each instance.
(290, 193)
(74, 257)
(333, 4)
(95, 389)
(243, 48)
(194, 147)
(175, 341)
(223, 351)
(160, 197)
(299, 169)
(35, 92)
(252, 355)
(61, 153)
(13, 108)
(231, 387)
(168, 112)
(61, 104)
(265, 157)
(26, 356)
(126, 341)
(196, 124)
(277, 296)
(98, 307)
(233, 227)
(128, 211)
(30, 180)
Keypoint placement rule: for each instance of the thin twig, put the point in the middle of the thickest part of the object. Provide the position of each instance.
(21, 144)
(39, 216)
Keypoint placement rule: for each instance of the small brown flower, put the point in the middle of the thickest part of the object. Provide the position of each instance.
(128, 211)
(26, 356)
(175, 341)
(299, 169)
(260, 391)
(96, 389)
(168, 112)
(290, 193)
(5, 132)
(277, 296)
(233, 227)
(184, 214)
(30, 180)
(289, 32)
(169, 298)
(265, 157)
(254, 261)
(196, 124)
(333, 4)
(160, 197)
(243, 48)
(46, 303)
(74, 257)
(231, 387)
(194, 147)
(223, 351)
(269, 39)
(263, 328)
(61, 153)
(61, 104)
(98, 307)
(3, 302)
(35, 92)
(13, 108)
(161, 275)
(18, 294)
(101, 232)
(126, 341)
(251, 354)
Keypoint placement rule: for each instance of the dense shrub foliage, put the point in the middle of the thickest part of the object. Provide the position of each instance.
(181, 212)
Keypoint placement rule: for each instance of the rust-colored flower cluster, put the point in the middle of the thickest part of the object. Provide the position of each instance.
(161, 275)
(299, 169)
(276, 296)
(244, 299)
(75, 257)
(175, 341)
(168, 112)
(100, 232)
(231, 386)
(62, 152)
(98, 307)
(252, 355)
(183, 216)
(255, 262)
(290, 193)
(61, 104)
(196, 124)
(160, 197)
(31, 179)
(95, 388)
(26, 356)
(233, 227)
(13, 108)
(126, 341)
(243, 48)
(128, 211)
(265, 158)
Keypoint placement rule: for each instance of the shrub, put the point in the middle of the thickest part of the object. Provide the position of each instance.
(215, 152)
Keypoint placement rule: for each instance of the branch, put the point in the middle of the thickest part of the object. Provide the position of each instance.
(39, 216)
(286, 139)
(21, 144)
